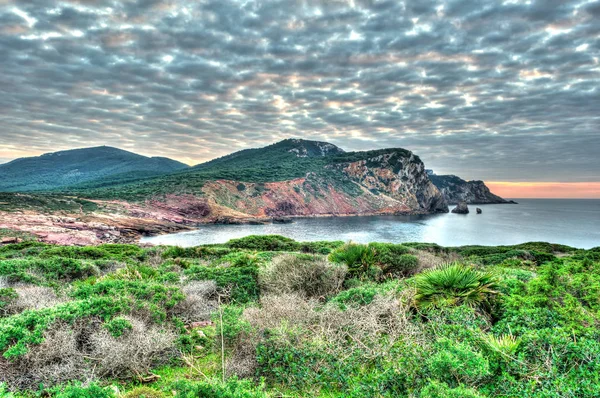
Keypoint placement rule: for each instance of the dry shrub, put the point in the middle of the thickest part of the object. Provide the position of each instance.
(58, 359)
(374, 328)
(309, 276)
(85, 350)
(200, 301)
(133, 353)
(31, 297)
(429, 259)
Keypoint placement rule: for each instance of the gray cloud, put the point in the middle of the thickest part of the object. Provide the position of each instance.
(484, 89)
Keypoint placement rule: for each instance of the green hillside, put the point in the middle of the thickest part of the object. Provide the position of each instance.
(285, 160)
(60, 169)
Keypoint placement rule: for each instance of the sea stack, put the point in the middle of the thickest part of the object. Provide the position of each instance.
(461, 208)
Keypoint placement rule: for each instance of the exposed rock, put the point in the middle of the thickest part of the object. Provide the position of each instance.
(461, 208)
(8, 240)
(479, 211)
(282, 220)
(455, 189)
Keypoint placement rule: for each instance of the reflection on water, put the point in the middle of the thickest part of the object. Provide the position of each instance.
(566, 221)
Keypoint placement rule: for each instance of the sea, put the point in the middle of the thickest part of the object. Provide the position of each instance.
(572, 222)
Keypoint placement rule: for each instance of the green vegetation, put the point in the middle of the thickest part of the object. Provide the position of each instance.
(60, 169)
(270, 317)
(43, 203)
(277, 162)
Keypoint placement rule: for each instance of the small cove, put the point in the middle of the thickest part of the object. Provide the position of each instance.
(573, 222)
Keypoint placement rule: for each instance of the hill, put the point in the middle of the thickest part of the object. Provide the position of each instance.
(66, 168)
(294, 178)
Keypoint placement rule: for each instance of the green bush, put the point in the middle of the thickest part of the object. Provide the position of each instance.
(47, 271)
(457, 363)
(263, 243)
(360, 259)
(118, 326)
(281, 243)
(357, 296)
(242, 281)
(394, 260)
(455, 284)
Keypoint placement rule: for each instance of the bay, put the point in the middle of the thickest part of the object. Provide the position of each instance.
(573, 222)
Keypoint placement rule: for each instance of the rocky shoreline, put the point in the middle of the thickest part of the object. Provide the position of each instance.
(122, 222)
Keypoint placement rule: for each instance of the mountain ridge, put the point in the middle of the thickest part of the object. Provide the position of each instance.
(70, 167)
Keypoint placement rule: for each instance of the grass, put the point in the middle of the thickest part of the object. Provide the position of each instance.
(500, 321)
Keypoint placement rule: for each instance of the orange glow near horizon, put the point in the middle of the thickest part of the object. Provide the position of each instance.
(553, 190)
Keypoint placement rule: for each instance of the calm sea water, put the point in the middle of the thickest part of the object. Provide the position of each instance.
(572, 222)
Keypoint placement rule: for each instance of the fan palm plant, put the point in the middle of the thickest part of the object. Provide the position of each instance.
(455, 284)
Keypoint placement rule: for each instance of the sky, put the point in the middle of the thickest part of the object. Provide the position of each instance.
(504, 91)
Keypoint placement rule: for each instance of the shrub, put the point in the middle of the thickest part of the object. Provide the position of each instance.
(263, 243)
(55, 360)
(153, 297)
(242, 281)
(118, 326)
(7, 297)
(49, 270)
(457, 363)
(356, 296)
(4, 393)
(310, 276)
(200, 301)
(402, 265)
(31, 297)
(134, 352)
(20, 331)
(359, 259)
(455, 284)
(281, 243)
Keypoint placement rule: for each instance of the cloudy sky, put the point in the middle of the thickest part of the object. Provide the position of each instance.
(504, 91)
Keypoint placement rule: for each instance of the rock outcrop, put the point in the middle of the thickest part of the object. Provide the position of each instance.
(478, 210)
(380, 182)
(461, 208)
(455, 189)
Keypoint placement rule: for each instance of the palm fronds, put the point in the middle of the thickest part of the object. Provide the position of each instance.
(454, 284)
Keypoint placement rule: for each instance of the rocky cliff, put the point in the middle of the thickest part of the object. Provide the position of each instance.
(379, 182)
(456, 190)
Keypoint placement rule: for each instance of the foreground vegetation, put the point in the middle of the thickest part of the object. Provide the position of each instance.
(271, 317)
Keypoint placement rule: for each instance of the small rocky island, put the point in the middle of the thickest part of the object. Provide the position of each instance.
(461, 208)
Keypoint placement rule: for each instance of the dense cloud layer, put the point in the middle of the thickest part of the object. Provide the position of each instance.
(485, 89)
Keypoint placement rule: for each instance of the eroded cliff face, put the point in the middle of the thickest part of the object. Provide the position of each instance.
(456, 190)
(401, 176)
(388, 183)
